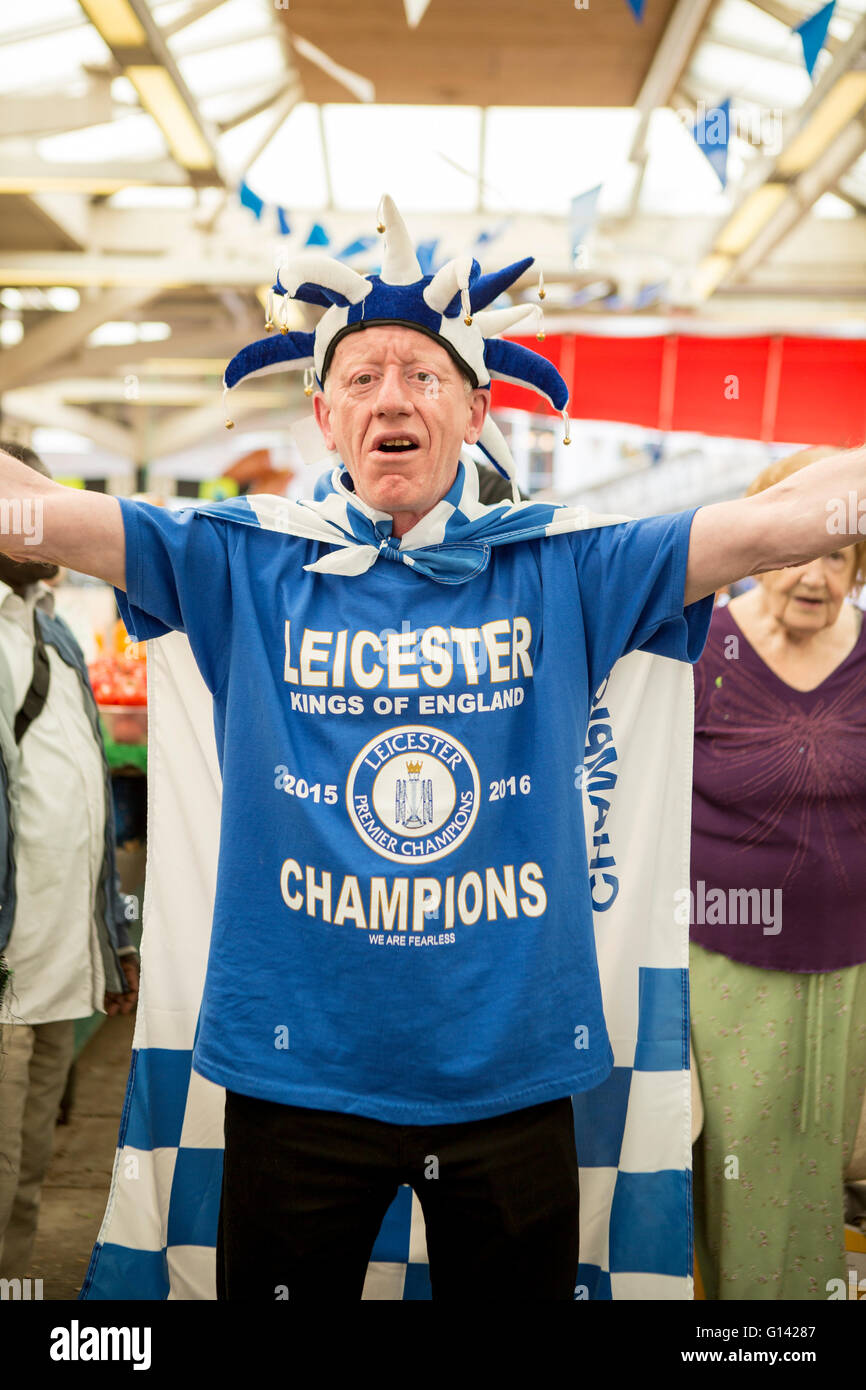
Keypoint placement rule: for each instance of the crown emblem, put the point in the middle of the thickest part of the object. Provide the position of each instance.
(414, 769)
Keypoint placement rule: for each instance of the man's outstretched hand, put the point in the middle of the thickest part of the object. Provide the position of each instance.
(124, 1003)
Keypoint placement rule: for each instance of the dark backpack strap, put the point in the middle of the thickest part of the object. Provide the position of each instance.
(34, 700)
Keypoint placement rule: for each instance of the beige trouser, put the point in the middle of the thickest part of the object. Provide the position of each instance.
(34, 1065)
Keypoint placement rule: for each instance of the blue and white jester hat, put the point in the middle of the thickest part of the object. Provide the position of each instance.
(449, 307)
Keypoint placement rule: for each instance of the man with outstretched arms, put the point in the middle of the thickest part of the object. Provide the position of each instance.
(401, 682)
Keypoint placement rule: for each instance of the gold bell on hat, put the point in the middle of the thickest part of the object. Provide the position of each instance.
(308, 381)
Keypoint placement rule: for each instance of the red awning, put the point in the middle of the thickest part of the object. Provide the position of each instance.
(786, 389)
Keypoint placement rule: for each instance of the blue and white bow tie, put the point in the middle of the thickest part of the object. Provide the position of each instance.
(451, 544)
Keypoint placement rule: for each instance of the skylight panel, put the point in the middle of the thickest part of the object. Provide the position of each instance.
(425, 157)
(538, 159)
(291, 171)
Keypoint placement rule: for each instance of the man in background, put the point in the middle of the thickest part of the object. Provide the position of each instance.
(62, 929)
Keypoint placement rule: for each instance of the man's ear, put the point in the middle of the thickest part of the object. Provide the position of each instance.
(478, 414)
(322, 412)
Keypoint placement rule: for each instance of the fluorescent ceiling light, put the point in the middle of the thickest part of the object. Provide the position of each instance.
(59, 297)
(63, 298)
(116, 22)
(123, 332)
(838, 108)
(114, 333)
(709, 274)
(161, 98)
(153, 332)
(750, 218)
(830, 206)
(155, 196)
(11, 332)
(49, 440)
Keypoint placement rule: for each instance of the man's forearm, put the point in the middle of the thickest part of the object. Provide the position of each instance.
(812, 512)
(42, 520)
(818, 508)
(22, 498)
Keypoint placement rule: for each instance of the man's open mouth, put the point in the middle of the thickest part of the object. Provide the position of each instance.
(396, 444)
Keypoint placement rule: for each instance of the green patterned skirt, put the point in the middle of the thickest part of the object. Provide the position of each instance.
(781, 1059)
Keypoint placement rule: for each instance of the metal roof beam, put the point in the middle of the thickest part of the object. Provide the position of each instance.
(154, 55)
(326, 162)
(180, 431)
(195, 12)
(675, 46)
(667, 67)
(820, 178)
(41, 407)
(264, 104)
(213, 341)
(226, 41)
(68, 214)
(787, 15)
(42, 31)
(26, 115)
(60, 333)
(824, 173)
(36, 176)
(154, 272)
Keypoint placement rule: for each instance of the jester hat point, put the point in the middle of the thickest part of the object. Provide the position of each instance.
(449, 306)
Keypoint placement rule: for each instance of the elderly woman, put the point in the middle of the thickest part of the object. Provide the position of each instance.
(778, 980)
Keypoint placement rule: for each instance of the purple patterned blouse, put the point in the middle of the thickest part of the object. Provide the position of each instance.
(778, 875)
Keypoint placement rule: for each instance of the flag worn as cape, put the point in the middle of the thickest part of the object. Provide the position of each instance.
(633, 1132)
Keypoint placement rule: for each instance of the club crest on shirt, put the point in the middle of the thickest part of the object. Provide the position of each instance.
(413, 794)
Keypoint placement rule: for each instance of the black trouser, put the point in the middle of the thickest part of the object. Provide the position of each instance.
(304, 1193)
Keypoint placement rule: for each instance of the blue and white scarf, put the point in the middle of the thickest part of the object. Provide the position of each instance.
(451, 544)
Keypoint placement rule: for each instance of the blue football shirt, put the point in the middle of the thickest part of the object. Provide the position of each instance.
(403, 923)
